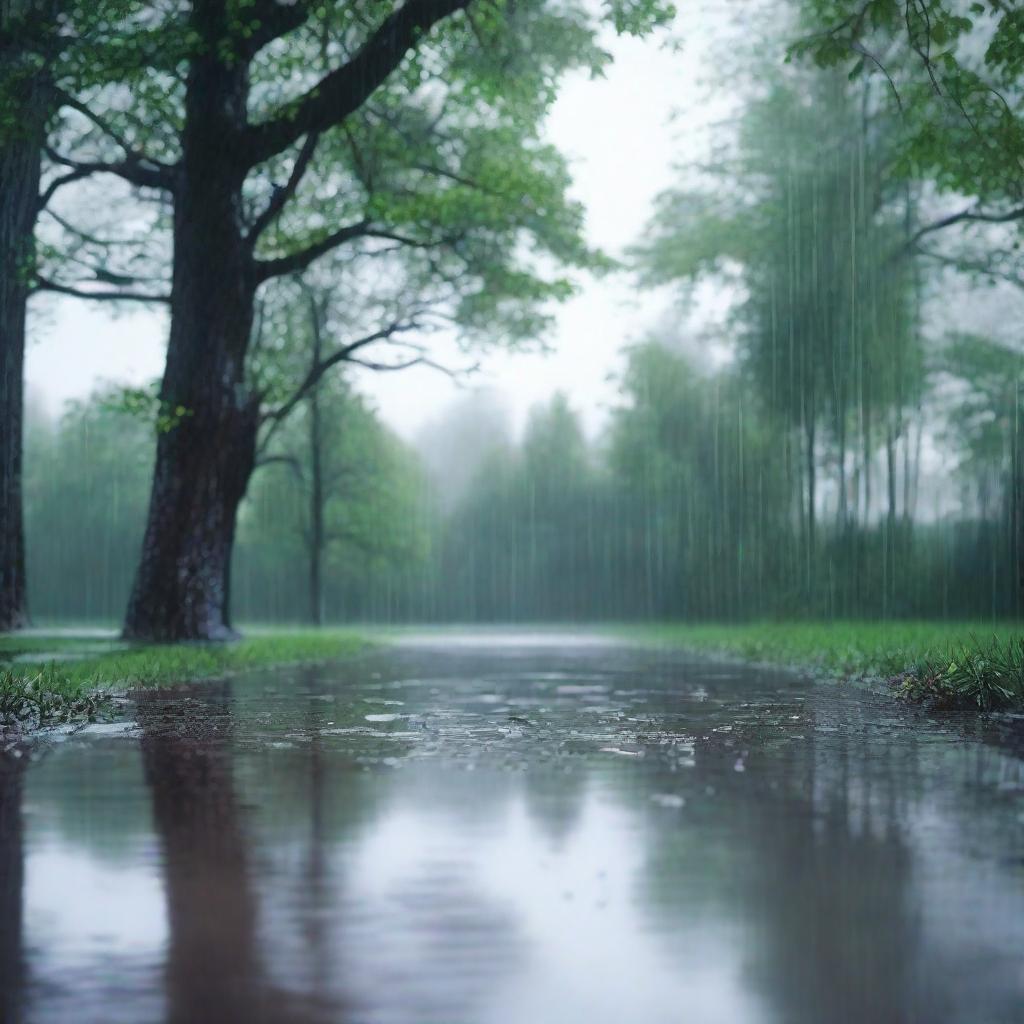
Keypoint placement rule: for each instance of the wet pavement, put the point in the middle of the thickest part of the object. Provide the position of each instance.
(514, 830)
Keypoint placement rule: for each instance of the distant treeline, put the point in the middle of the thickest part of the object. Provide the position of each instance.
(685, 508)
(856, 453)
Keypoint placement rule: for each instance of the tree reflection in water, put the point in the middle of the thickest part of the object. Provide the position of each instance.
(214, 970)
(12, 878)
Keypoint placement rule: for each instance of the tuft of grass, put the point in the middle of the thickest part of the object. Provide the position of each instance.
(45, 697)
(75, 687)
(988, 675)
(927, 661)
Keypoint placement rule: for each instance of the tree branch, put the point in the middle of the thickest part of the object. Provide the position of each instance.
(859, 47)
(344, 90)
(341, 355)
(969, 214)
(44, 284)
(280, 198)
(415, 361)
(414, 243)
(143, 173)
(132, 155)
(444, 172)
(297, 261)
(273, 20)
(974, 266)
(85, 236)
(404, 365)
(51, 190)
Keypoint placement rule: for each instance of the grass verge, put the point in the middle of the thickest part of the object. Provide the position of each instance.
(50, 680)
(943, 663)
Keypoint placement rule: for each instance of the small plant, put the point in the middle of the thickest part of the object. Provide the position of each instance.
(45, 698)
(988, 675)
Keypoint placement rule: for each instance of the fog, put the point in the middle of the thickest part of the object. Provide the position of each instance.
(752, 411)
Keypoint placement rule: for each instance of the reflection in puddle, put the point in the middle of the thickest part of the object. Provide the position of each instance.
(503, 850)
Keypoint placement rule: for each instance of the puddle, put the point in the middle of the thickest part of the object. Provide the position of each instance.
(700, 845)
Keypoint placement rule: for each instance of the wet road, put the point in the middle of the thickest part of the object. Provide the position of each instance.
(506, 830)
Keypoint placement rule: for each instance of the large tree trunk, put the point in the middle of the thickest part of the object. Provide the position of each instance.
(207, 445)
(20, 150)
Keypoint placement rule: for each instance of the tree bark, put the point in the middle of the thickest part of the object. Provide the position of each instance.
(207, 447)
(20, 169)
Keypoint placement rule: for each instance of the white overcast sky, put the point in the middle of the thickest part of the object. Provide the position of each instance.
(622, 140)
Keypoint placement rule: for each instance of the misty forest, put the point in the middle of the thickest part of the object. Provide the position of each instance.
(620, 403)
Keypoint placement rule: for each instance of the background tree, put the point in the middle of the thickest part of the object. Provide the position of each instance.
(701, 486)
(473, 429)
(54, 54)
(339, 485)
(954, 72)
(807, 220)
(523, 542)
(980, 388)
(86, 481)
(284, 106)
(23, 88)
(681, 507)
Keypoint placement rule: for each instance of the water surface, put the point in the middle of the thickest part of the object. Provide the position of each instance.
(499, 829)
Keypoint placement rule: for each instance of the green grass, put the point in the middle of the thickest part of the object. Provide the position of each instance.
(82, 672)
(955, 663)
(44, 697)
